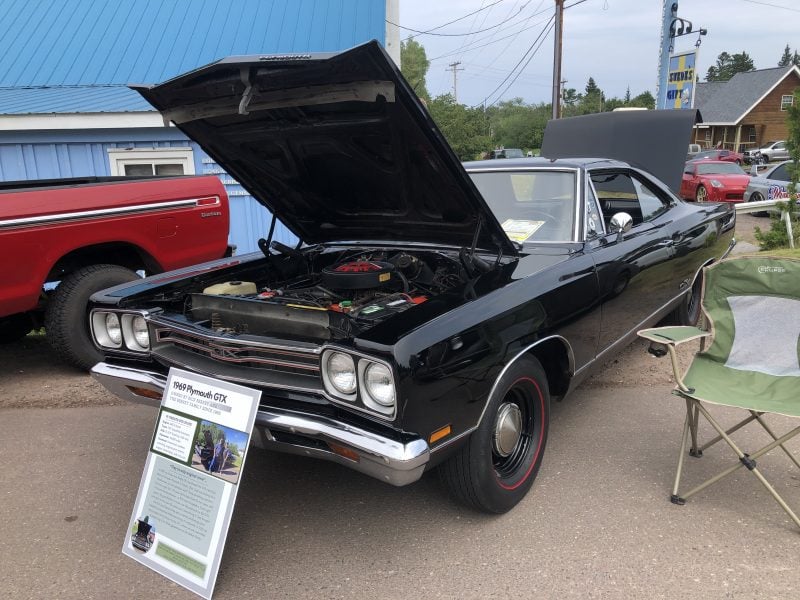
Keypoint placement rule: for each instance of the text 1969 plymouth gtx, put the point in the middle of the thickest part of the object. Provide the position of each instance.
(433, 309)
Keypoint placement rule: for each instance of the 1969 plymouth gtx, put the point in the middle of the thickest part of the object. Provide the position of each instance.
(432, 310)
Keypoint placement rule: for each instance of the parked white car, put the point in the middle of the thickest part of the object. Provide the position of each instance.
(769, 152)
(772, 184)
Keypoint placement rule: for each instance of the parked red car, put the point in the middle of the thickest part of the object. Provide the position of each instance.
(713, 181)
(723, 155)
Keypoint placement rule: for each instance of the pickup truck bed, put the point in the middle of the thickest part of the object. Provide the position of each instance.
(94, 232)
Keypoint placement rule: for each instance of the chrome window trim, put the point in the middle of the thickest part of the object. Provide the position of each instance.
(578, 204)
(590, 185)
(101, 212)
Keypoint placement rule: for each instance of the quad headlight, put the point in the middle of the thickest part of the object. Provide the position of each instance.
(362, 382)
(120, 330)
(340, 371)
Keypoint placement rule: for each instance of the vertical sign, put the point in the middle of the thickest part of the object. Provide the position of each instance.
(188, 488)
(681, 80)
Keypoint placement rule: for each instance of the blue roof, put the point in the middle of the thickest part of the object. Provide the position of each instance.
(101, 42)
(71, 99)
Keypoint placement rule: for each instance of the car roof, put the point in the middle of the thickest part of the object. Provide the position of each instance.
(541, 162)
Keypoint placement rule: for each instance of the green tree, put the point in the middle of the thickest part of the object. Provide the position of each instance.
(627, 95)
(519, 125)
(796, 59)
(465, 129)
(786, 57)
(728, 65)
(644, 100)
(414, 65)
(591, 87)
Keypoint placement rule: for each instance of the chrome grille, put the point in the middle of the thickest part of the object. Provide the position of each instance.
(238, 352)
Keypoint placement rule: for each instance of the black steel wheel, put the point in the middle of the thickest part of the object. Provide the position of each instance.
(496, 467)
(689, 310)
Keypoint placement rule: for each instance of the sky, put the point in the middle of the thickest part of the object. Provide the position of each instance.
(614, 41)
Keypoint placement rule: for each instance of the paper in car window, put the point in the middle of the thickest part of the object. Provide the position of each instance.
(519, 230)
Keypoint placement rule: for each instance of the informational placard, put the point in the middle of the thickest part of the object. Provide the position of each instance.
(681, 80)
(185, 502)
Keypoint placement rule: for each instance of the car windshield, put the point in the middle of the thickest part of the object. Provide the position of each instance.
(531, 205)
(721, 168)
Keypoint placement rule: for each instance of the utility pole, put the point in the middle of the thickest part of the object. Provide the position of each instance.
(557, 59)
(454, 68)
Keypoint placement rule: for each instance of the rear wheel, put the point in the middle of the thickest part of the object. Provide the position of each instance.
(496, 467)
(701, 195)
(688, 311)
(67, 321)
(757, 197)
(15, 327)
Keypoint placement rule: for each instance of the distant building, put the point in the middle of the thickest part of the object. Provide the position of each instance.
(65, 110)
(746, 111)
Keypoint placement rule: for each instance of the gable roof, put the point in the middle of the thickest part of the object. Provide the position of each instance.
(77, 56)
(727, 102)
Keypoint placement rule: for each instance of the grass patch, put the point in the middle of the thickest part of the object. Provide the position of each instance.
(783, 252)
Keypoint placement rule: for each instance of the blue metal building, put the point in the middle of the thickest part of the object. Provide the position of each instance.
(65, 110)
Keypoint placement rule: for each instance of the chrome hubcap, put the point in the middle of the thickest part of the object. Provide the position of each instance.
(507, 429)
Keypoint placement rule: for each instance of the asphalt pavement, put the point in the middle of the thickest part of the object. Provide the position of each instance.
(597, 524)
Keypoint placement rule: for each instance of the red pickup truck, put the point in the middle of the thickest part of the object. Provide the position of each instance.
(91, 233)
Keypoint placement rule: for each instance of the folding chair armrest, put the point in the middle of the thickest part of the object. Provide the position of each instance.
(672, 335)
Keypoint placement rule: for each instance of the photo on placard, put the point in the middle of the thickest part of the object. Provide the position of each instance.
(219, 451)
(143, 534)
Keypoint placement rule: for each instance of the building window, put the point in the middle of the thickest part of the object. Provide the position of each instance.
(151, 161)
(786, 102)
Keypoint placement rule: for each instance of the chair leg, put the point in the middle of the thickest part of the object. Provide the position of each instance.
(675, 498)
(694, 421)
(757, 417)
(750, 463)
(733, 429)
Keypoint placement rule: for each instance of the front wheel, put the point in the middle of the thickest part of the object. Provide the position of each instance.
(67, 320)
(757, 197)
(496, 467)
(701, 195)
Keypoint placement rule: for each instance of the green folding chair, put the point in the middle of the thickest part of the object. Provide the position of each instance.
(752, 308)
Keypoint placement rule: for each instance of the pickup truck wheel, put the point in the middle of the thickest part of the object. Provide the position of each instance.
(66, 319)
(496, 467)
(15, 327)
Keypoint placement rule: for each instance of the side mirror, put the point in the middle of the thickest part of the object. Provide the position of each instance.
(754, 169)
(621, 224)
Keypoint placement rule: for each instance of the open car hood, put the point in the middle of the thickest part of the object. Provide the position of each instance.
(653, 140)
(337, 146)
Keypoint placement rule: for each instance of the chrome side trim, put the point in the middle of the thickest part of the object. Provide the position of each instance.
(381, 457)
(570, 356)
(102, 212)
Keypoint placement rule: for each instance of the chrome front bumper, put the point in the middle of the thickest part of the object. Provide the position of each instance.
(380, 457)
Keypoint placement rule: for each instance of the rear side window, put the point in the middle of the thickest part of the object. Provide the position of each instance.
(780, 173)
(625, 192)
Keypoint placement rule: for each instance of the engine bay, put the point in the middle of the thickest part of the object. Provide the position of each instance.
(335, 295)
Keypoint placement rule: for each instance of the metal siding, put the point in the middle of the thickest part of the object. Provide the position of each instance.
(89, 42)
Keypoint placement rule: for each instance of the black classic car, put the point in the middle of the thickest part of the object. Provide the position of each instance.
(432, 310)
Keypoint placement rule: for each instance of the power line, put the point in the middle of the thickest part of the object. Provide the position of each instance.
(493, 41)
(524, 56)
(451, 22)
(772, 5)
(530, 58)
(428, 32)
(516, 35)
